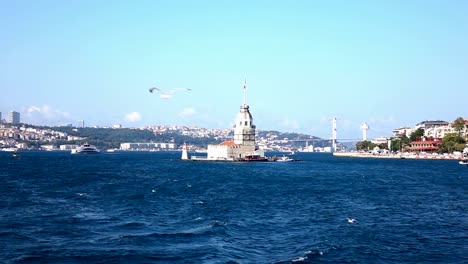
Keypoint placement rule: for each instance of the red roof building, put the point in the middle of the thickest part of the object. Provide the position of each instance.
(426, 144)
(228, 143)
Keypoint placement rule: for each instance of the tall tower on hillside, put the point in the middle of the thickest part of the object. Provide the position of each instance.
(244, 129)
(364, 128)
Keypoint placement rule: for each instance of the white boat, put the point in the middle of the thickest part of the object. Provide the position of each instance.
(9, 149)
(464, 160)
(284, 159)
(86, 149)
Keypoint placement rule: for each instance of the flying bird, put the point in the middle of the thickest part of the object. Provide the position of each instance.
(167, 94)
(351, 220)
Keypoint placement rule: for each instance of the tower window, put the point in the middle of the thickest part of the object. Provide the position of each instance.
(245, 123)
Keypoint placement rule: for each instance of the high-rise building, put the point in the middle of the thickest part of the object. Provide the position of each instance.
(14, 117)
(0, 117)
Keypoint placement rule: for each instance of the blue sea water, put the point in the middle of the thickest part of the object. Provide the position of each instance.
(154, 208)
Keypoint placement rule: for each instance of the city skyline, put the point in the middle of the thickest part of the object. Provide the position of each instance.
(387, 64)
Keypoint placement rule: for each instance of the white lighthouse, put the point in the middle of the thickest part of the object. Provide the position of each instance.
(364, 128)
(184, 152)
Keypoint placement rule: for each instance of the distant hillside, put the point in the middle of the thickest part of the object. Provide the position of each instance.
(285, 135)
(112, 137)
(296, 140)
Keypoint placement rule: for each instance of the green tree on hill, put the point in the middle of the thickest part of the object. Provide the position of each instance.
(458, 125)
(405, 142)
(452, 142)
(365, 145)
(417, 134)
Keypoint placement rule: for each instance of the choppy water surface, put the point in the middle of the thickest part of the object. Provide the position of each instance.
(152, 207)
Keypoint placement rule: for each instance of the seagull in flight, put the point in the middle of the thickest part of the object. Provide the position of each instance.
(167, 94)
(351, 220)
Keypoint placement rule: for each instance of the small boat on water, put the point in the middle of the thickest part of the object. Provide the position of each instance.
(86, 149)
(9, 149)
(254, 157)
(113, 150)
(284, 159)
(464, 159)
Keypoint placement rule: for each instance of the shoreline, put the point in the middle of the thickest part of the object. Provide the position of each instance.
(396, 156)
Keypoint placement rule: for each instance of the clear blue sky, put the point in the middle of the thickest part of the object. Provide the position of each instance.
(387, 63)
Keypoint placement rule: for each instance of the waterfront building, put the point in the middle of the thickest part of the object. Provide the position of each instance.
(425, 144)
(431, 124)
(243, 145)
(68, 146)
(308, 148)
(22, 145)
(436, 129)
(48, 147)
(14, 117)
(147, 146)
(403, 131)
(380, 140)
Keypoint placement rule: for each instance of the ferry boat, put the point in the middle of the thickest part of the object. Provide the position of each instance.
(254, 157)
(86, 149)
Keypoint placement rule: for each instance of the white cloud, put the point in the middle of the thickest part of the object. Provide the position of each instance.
(133, 117)
(186, 112)
(46, 115)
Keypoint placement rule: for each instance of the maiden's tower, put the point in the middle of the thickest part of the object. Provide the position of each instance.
(243, 147)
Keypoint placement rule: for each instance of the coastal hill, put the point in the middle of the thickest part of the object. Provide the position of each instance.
(107, 138)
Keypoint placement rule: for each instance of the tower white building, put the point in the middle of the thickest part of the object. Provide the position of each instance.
(364, 128)
(244, 138)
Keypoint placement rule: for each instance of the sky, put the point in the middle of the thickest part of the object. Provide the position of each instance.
(387, 63)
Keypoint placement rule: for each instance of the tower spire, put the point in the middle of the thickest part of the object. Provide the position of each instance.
(245, 91)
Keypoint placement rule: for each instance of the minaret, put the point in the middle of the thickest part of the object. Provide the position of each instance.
(244, 129)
